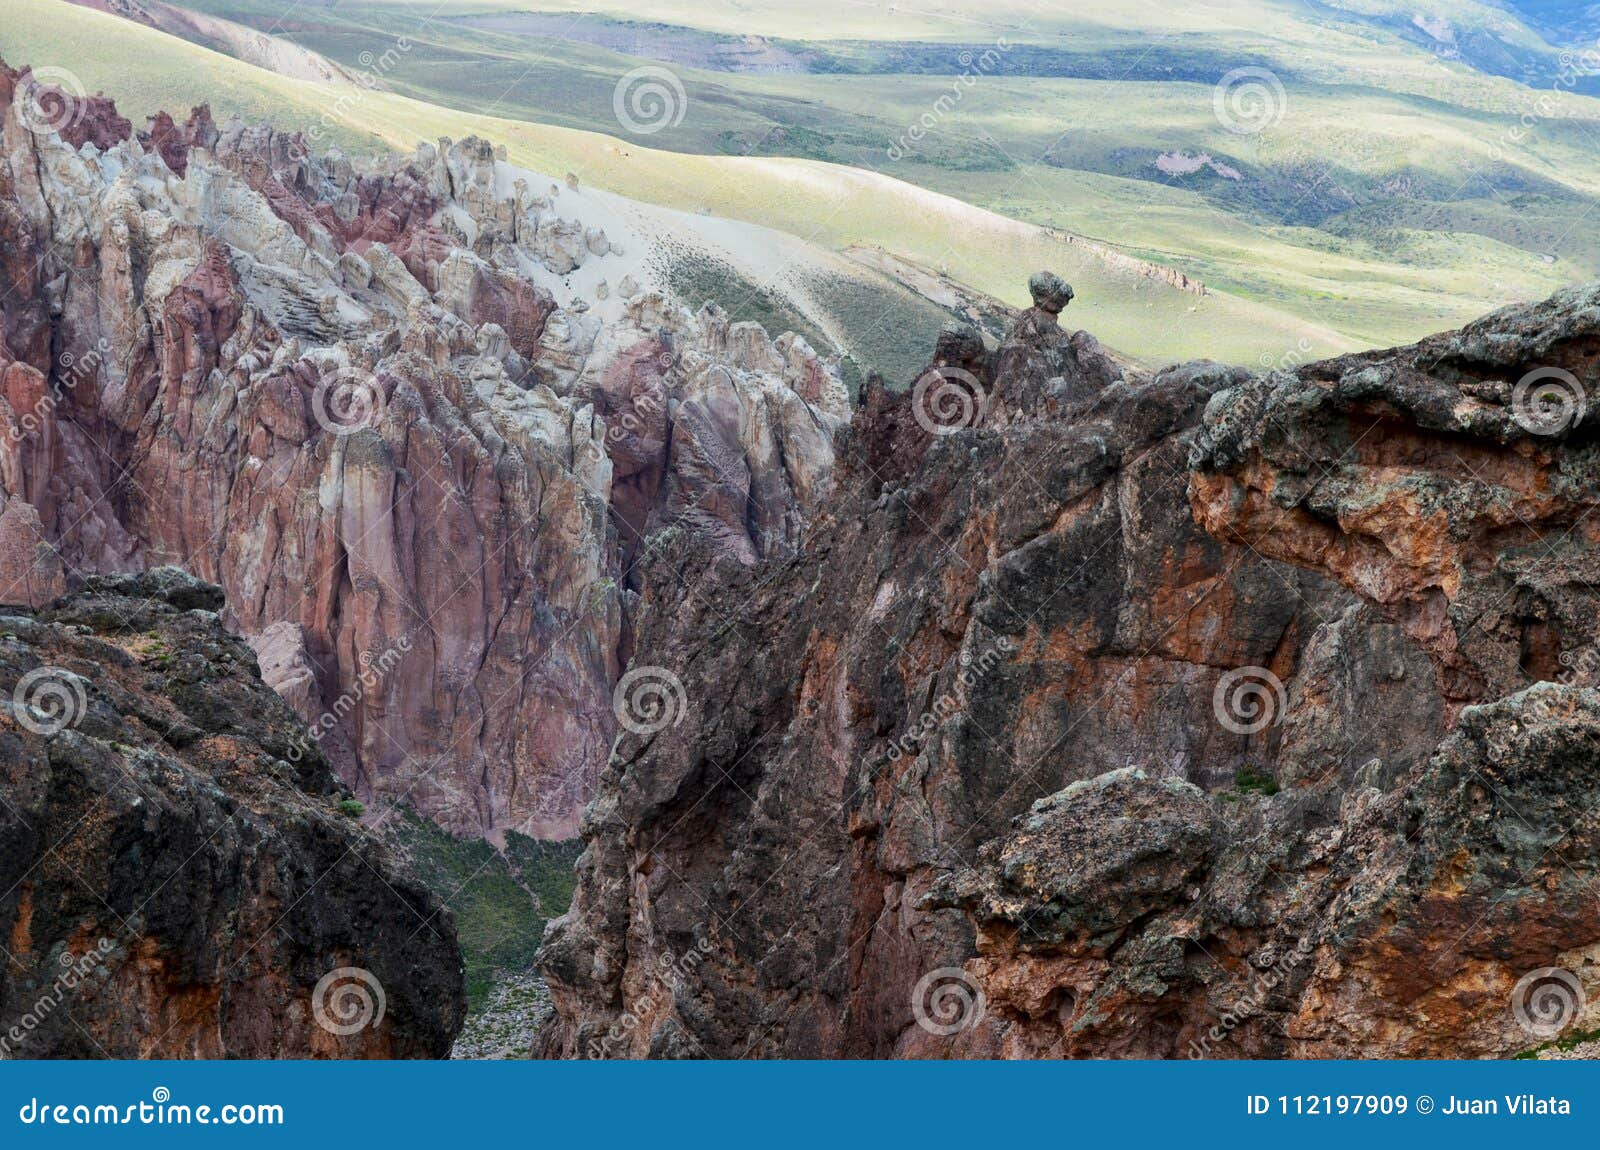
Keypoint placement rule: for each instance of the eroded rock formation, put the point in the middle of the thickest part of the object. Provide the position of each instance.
(178, 881)
(1048, 709)
(364, 401)
(1206, 713)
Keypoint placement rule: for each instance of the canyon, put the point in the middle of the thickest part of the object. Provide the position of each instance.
(370, 404)
(1202, 713)
(1051, 707)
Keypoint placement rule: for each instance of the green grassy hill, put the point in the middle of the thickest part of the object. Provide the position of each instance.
(1399, 188)
(1402, 188)
(831, 207)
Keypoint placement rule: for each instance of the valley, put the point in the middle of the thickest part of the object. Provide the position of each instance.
(1341, 212)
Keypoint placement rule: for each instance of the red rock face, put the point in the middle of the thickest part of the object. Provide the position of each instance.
(632, 397)
(1412, 481)
(173, 142)
(99, 124)
(1127, 722)
(344, 396)
(76, 116)
(518, 307)
(25, 332)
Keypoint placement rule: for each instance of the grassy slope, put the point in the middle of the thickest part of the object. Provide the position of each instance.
(1463, 237)
(865, 19)
(501, 900)
(1348, 215)
(947, 19)
(831, 206)
(1311, 38)
(1349, 219)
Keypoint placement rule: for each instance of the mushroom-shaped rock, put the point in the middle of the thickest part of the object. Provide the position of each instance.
(1050, 292)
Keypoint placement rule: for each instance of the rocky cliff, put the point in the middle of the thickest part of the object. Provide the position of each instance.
(177, 876)
(396, 412)
(1207, 713)
(1048, 709)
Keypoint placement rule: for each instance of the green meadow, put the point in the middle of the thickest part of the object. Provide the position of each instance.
(1394, 188)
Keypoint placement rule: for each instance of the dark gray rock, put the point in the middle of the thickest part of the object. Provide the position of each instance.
(1050, 292)
(170, 835)
(1267, 653)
